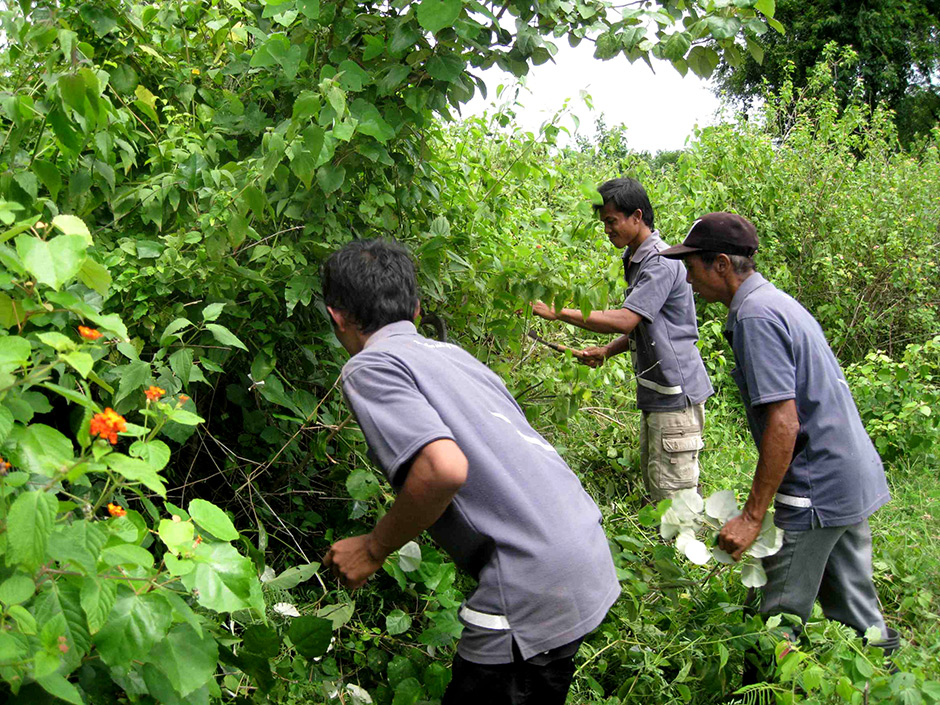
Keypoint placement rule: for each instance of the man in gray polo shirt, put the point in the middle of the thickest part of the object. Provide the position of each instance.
(657, 325)
(468, 467)
(817, 463)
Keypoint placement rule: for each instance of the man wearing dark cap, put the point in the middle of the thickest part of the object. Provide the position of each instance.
(657, 325)
(816, 463)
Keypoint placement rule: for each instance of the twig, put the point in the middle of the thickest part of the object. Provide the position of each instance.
(554, 346)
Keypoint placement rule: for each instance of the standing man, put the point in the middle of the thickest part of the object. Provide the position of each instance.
(816, 463)
(468, 467)
(657, 324)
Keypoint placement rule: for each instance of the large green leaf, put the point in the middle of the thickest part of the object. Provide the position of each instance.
(97, 598)
(16, 589)
(188, 659)
(40, 449)
(78, 545)
(224, 579)
(62, 598)
(136, 470)
(212, 519)
(135, 624)
(53, 262)
(29, 525)
(225, 336)
(293, 576)
(435, 15)
(155, 453)
(310, 635)
(330, 177)
(133, 376)
(177, 535)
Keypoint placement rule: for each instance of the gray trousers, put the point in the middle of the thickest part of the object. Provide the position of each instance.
(832, 564)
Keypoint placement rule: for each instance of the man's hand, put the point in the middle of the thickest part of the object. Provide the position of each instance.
(738, 534)
(592, 357)
(353, 560)
(543, 311)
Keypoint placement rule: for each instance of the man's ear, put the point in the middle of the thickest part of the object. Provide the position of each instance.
(339, 318)
(638, 213)
(723, 263)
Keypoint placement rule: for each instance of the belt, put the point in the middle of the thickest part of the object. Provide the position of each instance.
(498, 622)
(658, 387)
(791, 501)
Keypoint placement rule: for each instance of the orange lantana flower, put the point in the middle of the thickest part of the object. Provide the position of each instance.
(107, 425)
(116, 510)
(89, 333)
(154, 393)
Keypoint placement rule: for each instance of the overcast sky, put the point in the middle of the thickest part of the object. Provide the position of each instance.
(659, 109)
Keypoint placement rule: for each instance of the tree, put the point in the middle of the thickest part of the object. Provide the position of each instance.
(897, 44)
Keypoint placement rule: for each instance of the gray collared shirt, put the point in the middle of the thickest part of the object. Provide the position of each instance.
(522, 524)
(667, 364)
(782, 353)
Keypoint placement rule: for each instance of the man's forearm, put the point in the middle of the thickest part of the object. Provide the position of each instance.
(433, 480)
(776, 453)
(621, 321)
(618, 346)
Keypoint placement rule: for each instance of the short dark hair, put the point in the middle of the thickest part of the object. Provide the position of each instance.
(627, 195)
(741, 264)
(371, 281)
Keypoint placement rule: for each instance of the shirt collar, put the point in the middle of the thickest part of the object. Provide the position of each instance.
(646, 248)
(748, 287)
(392, 329)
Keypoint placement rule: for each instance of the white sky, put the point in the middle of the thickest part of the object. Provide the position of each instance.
(659, 109)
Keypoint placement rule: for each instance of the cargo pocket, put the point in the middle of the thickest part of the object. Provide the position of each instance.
(681, 447)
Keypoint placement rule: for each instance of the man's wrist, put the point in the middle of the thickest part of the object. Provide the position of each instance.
(376, 550)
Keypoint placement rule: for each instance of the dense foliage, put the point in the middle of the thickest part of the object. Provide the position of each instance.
(172, 174)
(896, 45)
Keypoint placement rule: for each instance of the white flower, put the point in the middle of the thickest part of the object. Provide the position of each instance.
(286, 609)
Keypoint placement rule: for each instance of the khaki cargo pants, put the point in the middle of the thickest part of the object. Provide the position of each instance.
(670, 442)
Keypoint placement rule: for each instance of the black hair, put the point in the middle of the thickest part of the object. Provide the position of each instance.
(627, 195)
(740, 264)
(371, 281)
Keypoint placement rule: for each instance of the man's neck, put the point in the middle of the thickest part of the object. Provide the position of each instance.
(734, 282)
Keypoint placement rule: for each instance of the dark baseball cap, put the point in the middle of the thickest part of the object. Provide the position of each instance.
(717, 232)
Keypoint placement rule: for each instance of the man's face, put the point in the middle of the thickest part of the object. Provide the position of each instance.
(621, 229)
(705, 280)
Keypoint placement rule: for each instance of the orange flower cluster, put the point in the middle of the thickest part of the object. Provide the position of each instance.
(116, 510)
(4, 467)
(154, 393)
(89, 333)
(107, 425)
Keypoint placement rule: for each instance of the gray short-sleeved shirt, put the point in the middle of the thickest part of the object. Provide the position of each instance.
(782, 353)
(669, 368)
(522, 525)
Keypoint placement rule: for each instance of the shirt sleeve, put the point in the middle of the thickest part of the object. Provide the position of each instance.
(765, 350)
(395, 417)
(649, 293)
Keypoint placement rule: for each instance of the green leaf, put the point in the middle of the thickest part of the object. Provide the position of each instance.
(753, 575)
(293, 576)
(155, 453)
(48, 173)
(408, 692)
(188, 659)
(306, 105)
(766, 7)
(352, 77)
(446, 68)
(78, 544)
(57, 341)
(61, 601)
(95, 276)
(81, 362)
(262, 640)
(362, 485)
(135, 624)
(703, 60)
(212, 311)
(371, 121)
(436, 679)
(397, 622)
(54, 262)
(16, 589)
(310, 8)
(72, 395)
(177, 535)
(225, 336)
(56, 685)
(186, 418)
(29, 526)
(409, 557)
(127, 554)
(212, 519)
(97, 598)
(173, 329)
(181, 362)
(311, 635)
(330, 177)
(338, 614)
(133, 376)
(72, 90)
(225, 580)
(72, 225)
(136, 471)
(435, 15)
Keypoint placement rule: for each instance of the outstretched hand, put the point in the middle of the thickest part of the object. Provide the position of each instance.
(543, 311)
(592, 357)
(353, 560)
(738, 534)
